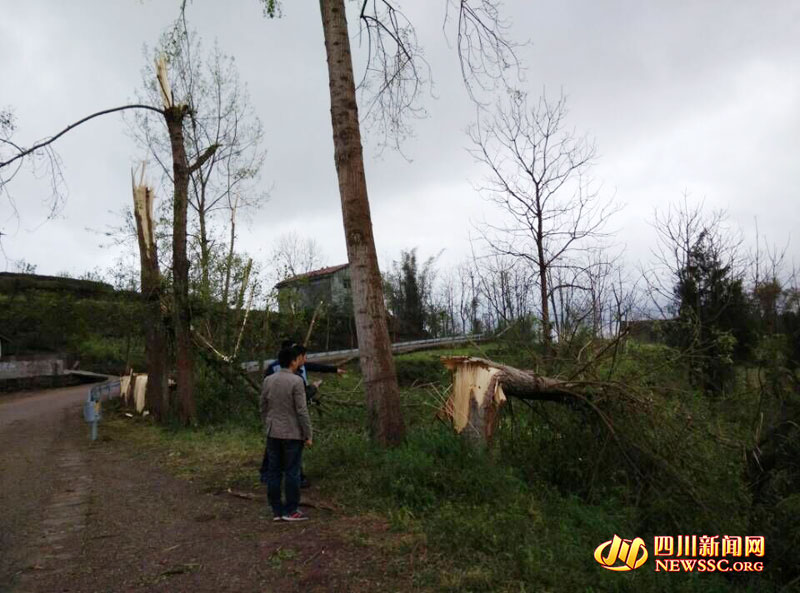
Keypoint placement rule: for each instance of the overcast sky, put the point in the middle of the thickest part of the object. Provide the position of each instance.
(683, 95)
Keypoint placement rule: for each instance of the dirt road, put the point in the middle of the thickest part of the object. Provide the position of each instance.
(43, 480)
(84, 517)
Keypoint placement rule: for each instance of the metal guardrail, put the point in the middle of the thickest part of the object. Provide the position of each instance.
(92, 412)
(397, 347)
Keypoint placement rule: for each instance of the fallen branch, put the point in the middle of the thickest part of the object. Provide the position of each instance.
(221, 364)
(303, 503)
(481, 387)
(313, 321)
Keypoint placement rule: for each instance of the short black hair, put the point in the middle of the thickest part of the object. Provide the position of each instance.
(300, 348)
(286, 356)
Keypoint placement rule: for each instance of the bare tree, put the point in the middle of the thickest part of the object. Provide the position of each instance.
(678, 229)
(538, 174)
(505, 286)
(468, 299)
(294, 255)
(41, 155)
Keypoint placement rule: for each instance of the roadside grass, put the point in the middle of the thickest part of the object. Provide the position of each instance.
(472, 520)
(219, 456)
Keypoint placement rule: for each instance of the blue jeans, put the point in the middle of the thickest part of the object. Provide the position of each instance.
(285, 459)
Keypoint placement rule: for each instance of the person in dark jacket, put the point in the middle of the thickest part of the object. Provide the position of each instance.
(305, 367)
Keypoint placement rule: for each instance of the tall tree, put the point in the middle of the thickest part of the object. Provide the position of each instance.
(293, 255)
(702, 284)
(409, 291)
(385, 419)
(219, 112)
(713, 315)
(394, 76)
(538, 174)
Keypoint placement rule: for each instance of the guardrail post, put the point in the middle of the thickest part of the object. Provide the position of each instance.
(91, 407)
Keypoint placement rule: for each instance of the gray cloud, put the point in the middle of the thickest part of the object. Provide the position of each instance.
(683, 95)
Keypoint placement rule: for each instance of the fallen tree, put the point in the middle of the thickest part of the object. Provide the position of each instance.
(481, 388)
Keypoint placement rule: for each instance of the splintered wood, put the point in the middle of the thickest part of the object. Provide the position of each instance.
(132, 390)
(139, 389)
(480, 388)
(476, 397)
(163, 82)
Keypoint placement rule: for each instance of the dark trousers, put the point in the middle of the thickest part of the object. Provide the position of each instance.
(285, 458)
(265, 466)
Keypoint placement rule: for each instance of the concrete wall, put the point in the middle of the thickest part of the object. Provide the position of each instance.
(341, 296)
(20, 368)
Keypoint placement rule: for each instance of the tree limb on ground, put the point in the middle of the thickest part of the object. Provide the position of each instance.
(481, 388)
(220, 363)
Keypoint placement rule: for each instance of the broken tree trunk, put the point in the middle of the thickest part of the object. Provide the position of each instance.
(174, 115)
(481, 388)
(155, 332)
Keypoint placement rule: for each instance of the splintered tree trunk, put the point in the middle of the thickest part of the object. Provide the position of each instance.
(180, 264)
(157, 394)
(480, 390)
(385, 420)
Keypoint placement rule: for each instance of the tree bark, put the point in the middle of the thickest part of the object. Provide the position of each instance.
(180, 265)
(546, 335)
(385, 420)
(155, 333)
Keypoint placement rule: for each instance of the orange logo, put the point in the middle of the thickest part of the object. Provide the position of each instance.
(630, 553)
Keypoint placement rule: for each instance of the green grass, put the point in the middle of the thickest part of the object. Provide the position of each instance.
(520, 517)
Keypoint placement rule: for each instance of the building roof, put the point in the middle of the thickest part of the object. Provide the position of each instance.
(321, 273)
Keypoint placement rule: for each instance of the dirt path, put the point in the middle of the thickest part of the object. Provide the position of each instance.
(105, 518)
(43, 480)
